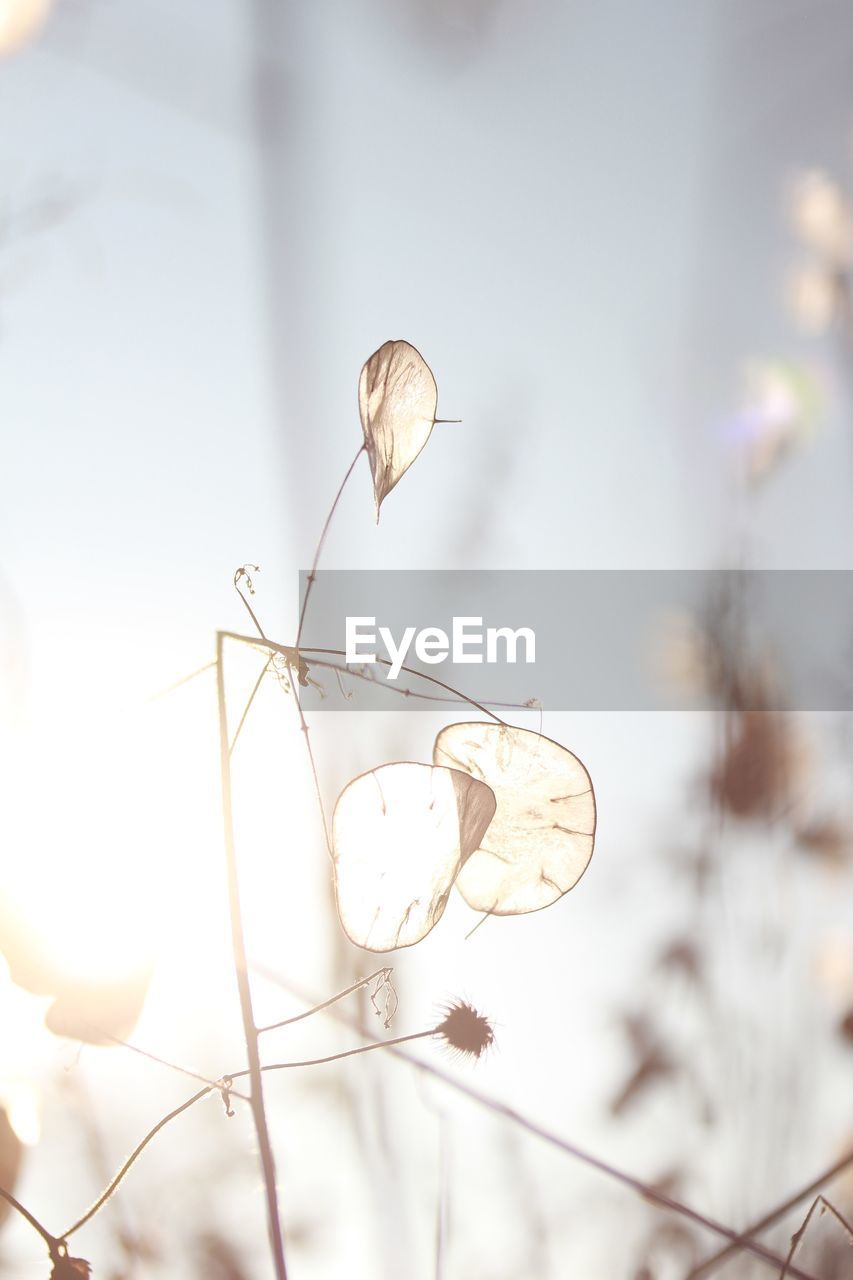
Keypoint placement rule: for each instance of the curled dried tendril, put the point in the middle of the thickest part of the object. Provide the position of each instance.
(225, 1085)
(384, 991)
(244, 574)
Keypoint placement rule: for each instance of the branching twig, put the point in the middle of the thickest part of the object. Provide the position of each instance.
(241, 970)
(289, 652)
(203, 1093)
(770, 1219)
(52, 1242)
(394, 1046)
(645, 1190)
(164, 1062)
(413, 671)
(797, 1237)
(384, 974)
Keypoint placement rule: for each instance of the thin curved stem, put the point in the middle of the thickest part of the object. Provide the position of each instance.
(238, 576)
(384, 973)
(197, 1097)
(642, 1189)
(322, 542)
(52, 1242)
(131, 1161)
(250, 1032)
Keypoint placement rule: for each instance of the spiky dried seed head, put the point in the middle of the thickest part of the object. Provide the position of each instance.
(466, 1030)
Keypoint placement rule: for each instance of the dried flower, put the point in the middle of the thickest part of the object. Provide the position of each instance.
(466, 1030)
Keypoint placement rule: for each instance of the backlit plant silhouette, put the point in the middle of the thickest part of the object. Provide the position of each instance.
(505, 814)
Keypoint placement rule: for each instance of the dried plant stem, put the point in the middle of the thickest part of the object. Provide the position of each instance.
(797, 1237)
(403, 691)
(384, 972)
(422, 675)
(646, 1191)
(773, 1216)
(315, 774)
(177, 684)
(321, 543)
(131, 1160)
(289, 653)
(394, 1046)
(203, 1093)
(250, 1031)
(52, 1242)
(248, 707)
(164, 1062)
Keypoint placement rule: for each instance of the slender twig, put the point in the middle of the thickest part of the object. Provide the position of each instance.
(164, 1062)
(208, 666)
(797, 1237)
(773, 1216)
(315, 773)
(241, 970)
(288, 652)
(383, 973)
(646, 1191)
(422, 675)
(239, 575)
(321, 543)
(360, 673)
(203, 1093)
(393, 1046)
(131, 1160)
(52, 1242)
(404, 691)
(248, 706)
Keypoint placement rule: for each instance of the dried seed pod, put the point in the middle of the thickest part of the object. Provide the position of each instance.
(540, 840)
(466, 1030)
(397, 400)
(400, 834)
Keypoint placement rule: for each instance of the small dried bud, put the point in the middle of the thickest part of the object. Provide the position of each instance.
(466, 1030)
(66, 1268)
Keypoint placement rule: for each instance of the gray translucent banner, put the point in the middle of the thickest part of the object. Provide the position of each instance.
(601, 640)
